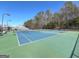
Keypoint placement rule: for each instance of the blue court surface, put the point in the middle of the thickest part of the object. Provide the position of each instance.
(25, 37)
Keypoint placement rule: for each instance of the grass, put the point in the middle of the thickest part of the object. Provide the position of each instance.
(60, 45)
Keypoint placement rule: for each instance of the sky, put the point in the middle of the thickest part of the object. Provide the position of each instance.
(21, 11)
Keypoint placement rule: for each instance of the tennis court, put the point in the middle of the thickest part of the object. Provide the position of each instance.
(25, 37)
(40, 44)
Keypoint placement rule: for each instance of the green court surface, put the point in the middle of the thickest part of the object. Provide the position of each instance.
(57, 46)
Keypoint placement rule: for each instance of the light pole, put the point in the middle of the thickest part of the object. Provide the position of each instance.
(8, 24)
(3, 19)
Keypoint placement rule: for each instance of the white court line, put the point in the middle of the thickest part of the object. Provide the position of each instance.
(17, 39)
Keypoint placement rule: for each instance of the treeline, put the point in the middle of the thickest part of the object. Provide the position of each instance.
(67, 17)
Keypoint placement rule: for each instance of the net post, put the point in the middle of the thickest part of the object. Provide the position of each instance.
(74, 47)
